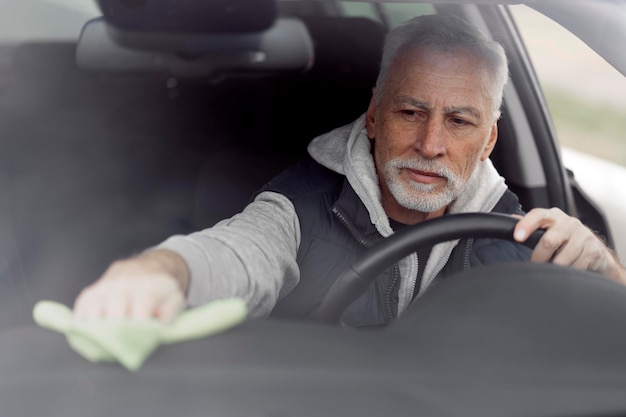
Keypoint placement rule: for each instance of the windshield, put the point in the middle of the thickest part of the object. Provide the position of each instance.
(102, 163)
(44, 19)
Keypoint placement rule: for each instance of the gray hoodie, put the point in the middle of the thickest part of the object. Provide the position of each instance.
(253, 254)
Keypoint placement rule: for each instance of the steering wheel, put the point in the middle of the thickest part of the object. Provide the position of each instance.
(354, 282)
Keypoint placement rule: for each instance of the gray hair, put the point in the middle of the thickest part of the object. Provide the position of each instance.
(447, 33)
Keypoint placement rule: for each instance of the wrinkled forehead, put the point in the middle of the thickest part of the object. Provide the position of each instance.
(458, 58)
(458, 67)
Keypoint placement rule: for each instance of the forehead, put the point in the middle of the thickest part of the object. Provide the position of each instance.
(458, 77)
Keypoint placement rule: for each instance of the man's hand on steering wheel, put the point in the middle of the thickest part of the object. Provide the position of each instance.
(568, 242)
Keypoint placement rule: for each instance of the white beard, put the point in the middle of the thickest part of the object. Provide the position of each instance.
(417, 196)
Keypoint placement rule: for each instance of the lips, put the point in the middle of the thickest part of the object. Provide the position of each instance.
(424, 177)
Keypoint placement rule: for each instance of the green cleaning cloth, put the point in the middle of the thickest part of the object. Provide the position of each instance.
(130, 342)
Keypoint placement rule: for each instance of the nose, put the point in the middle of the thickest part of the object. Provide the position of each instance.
(431, 141)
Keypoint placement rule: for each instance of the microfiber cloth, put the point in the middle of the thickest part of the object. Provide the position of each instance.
(130, 342)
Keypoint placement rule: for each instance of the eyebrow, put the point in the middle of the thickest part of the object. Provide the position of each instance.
(472, 111)
(416, 103)
(450, 109)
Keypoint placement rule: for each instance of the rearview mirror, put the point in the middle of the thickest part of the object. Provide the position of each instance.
(206, 16)
(284, 47)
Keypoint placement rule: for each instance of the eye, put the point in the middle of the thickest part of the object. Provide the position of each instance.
(458, 122)
(412, 114)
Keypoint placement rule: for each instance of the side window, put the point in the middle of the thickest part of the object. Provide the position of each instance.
(585, 95)
(397, 13)
(587, 99)
(392, 13)
(359, 9)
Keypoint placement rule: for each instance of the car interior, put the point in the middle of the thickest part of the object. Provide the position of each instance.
(138, 130)
(110, 157)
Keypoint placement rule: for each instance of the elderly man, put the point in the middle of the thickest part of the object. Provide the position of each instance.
(421, 151)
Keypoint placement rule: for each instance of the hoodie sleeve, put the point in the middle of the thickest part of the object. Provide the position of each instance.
(252, 255)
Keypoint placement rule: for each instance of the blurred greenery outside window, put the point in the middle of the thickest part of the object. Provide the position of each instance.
(585, 94)
(395, 13)
(358, 9)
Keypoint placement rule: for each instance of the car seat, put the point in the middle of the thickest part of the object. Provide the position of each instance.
(282, 114)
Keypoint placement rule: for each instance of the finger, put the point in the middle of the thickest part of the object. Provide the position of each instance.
(115, 305)
(169, 308)
(559, 229)
(533, 220)
(554, 239)
(172, 299)
(547, 247)
(142, 306)
(571, 253)
(150, 296)
(88, 305)
(84, 305)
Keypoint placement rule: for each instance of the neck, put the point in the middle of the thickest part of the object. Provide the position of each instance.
(407, 216)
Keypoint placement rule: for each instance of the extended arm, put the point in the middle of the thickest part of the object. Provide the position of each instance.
(251, 255)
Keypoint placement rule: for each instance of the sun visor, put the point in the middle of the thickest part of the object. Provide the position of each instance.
(189, 16)
(284, 47)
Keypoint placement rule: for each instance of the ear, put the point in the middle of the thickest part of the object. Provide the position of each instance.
(370, 117)
(491, 143)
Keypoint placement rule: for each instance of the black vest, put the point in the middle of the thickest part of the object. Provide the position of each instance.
(335, 230)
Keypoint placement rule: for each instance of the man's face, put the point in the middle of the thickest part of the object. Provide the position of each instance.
(433, 124)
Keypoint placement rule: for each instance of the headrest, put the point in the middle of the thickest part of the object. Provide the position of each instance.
(286, 46)
(185, 16)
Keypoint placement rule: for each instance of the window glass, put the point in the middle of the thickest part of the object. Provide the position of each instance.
(398, 13)
(586, 95)
(395, 13)
(359, 9)
(44, 19)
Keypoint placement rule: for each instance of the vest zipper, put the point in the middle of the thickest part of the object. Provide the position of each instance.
(466, 254)
(466, 264)
(389, 292)
(368, 243)
(426, 283)
(353, 230)
(416, 288)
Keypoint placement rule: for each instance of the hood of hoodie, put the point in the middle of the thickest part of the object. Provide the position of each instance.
(346, 150)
